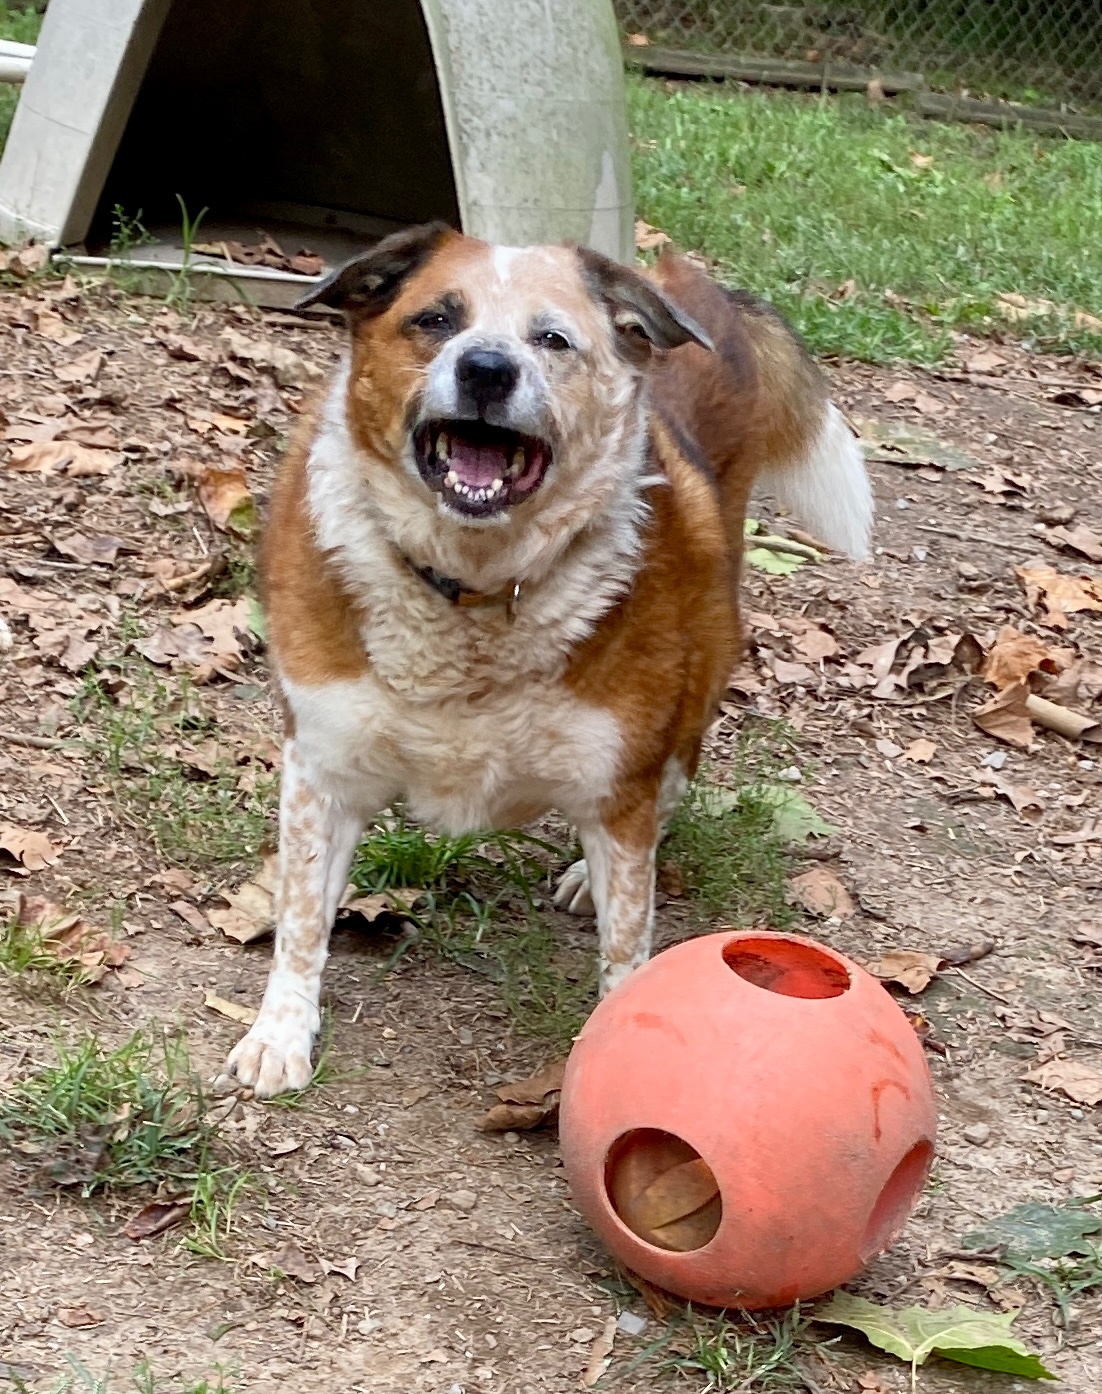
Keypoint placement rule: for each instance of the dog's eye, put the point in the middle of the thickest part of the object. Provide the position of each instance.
(553, 340)
(433, 322)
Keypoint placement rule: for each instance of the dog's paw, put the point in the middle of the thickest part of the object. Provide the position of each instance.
(572, 894)
(272, 1060)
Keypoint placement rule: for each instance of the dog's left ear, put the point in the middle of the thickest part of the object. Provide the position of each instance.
(644, 319)
(367, 284)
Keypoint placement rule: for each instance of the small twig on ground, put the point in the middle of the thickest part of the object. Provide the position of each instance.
(783, 544)
(38, 742)
(979, 986)
(509, 1253)
(958, 536)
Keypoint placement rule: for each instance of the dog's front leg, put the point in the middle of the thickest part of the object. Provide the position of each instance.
(620, 857)
(317, 838)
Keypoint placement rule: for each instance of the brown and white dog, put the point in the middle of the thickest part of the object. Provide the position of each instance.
(502, 565)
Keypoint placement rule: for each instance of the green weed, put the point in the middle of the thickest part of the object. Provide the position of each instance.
(214, 1200)
(142, 1379)
(192, 816)
(24, 951)
(179, 291)
(795, 197)
(726, 842)
(125, 1117)
(740, 1354)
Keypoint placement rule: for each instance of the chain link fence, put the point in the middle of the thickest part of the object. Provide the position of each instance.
(1043, 53)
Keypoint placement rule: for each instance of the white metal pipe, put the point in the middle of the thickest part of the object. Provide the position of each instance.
(15, 61)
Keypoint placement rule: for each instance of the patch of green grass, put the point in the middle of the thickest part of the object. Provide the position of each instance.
(122, 1117)
(726, 842)
(793, 196)
(24, 951)
(214, 1199)
(482, 910)
(143, 1379)
(193, 817)
(744, 1353)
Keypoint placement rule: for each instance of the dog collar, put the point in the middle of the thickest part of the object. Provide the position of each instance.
(459, 594)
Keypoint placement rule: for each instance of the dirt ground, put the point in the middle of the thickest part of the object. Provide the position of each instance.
(472, 1272)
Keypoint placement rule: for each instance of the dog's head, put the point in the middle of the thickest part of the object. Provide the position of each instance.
(494, 383)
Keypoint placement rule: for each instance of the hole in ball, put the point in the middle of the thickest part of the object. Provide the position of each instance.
(663, 1190)
(896, 1201)
(786, 967)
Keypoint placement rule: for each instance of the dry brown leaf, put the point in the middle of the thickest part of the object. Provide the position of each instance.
(77, 1317)
(400, 900)
(819, 891)
(986, 361)
(1058, 594)
(673, 1194)
(250, 915)
(288, 368)
(84, 369)
(637, 40)
(1014, 655)
(600, 1354)
(227, 500)
(100, 547)
(233, 1011)
(881, 657)
(920, 751)
(1013, 306)
(910, 968)
(50, 325)
(29, 850)
(156, 1217)
(790, 673)
(1006, 717)
(526, 1103)
(1079, 683)
(1079, 1082)
(901, 391)
(649, 239)
(1025, 800)
(815, 644)
(295, 1264)
(1079, 539)
(53, 456)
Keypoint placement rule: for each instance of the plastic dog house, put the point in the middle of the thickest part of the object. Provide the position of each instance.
(322, 124)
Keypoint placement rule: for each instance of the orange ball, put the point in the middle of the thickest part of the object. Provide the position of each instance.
(747, 1120)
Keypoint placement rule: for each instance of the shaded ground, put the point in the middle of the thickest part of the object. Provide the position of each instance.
(472, 1271)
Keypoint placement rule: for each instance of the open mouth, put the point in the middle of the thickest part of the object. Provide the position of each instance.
(480, 469)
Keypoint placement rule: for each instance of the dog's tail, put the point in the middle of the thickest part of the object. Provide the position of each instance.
(826, 485)
(761, 412)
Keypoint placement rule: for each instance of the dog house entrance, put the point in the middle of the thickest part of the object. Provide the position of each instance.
(298, 127)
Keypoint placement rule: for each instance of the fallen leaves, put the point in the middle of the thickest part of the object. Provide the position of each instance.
(910, 968)
(1006, 716)
(1057, 594)
(288, 368)
(1014, 656)
(157, 1217)
(526, 1103)
(68, 457)
(212, 639)
(821, 893)
(227, 500)
(957, 1333)
(647, 238)
(1079, 539)
(250, 913)
(1015, 307)
(232, 1011)
(26, 850)
(1035, 1230)
(1080, 1082)
(679, 1209)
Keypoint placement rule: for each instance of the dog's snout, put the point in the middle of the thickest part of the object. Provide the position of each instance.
(486, 376)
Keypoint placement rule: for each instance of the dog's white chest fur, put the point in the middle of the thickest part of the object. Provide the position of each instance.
(458, 765)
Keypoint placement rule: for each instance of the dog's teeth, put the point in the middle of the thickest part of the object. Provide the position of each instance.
(451, 479)
(442, 446)
(518, 459)
(495, 487)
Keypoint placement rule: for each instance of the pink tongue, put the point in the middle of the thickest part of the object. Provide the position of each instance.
(477, 465)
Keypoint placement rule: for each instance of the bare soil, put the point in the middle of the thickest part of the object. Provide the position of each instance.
(473, 1273)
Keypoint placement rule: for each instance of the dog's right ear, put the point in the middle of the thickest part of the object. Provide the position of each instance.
(367, 284)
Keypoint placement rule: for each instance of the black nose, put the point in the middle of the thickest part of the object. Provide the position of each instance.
(485, 376)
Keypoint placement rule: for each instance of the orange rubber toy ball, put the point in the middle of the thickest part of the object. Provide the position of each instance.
(747, 1120)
